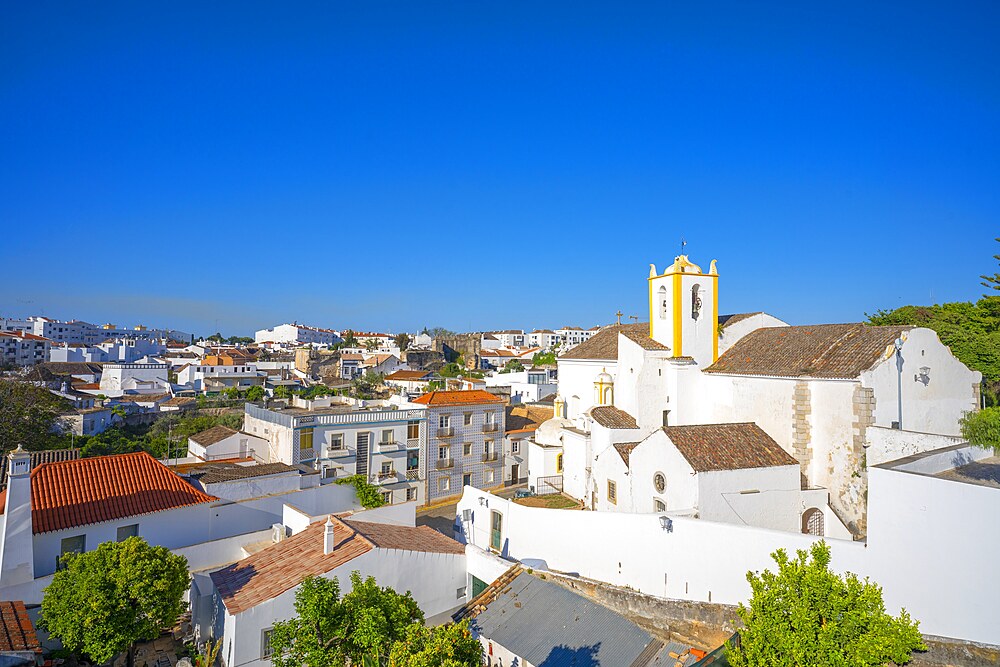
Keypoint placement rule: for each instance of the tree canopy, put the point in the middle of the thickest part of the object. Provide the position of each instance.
(106, 600)
(543, 358)
(441, 646)
(29, 415)
(334, 631)
(807, 615)
(512, 366)
(369, 495)
(167, 435)
(982, 428)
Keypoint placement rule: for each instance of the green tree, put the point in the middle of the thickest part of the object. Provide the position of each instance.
(106, 600)
(807, 615)
(982, 428)
(333, 631)
(543, 358)
(282, 391)
(451, 370)
(992, 282)
(255, 393)
(402, 340)
(371, 344)
(512, 366)
(29, 416)
(369, 495)
(350, 340)
(231, 393)
(443, 646)
(366, 385)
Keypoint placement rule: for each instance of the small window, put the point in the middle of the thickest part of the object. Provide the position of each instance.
(467, 418)
(71, 545)
(612, 492)
(444, 421)
(265, 643)
(460, 593)
(659, 482)
(488, 476)
(387, 436)
(490, 417)
(305, 439)
(659, 505)
(125, 532)
(559, 463)
(467, 479)
(386, 467)
(467, 449)
(444, 483)
(444, 453)
(387, 498)
(412, 430)
(515, 446)
(337, 441)
(411, 494)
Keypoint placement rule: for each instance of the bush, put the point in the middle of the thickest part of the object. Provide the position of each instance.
(369, 495)
(982, 428)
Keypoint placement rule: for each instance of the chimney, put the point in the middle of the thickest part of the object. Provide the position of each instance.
(17, 551)
(328, 539)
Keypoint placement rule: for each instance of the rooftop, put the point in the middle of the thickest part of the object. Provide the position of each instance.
(604, 344)
(820, 351)
(609, 416)
(67, 494)
(443, 398)
(279, 568)
(216, 472)
(984, 472)
(212, 435)
(709, 447)
(40, 457)
(16, 631)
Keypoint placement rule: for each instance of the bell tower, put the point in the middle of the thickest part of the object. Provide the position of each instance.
(684, 310)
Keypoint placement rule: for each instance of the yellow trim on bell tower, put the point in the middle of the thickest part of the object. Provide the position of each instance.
(678, 324)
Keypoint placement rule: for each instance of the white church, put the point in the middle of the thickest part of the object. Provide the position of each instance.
(742, 418)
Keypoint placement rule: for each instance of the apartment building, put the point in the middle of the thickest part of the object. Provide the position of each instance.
(341, 436)
(296, 334)
(18, 348)
(466, 438)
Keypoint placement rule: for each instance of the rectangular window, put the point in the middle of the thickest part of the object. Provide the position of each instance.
(460, 593)
(444, 483)
(386, 436)
(125, 532)
(265, 643)
(337, 441)
(515, 446)
(411, 494)
(412, 430)
(413, 459)
(490, 417)
(612, 492)
(387, 498)
(488, 447)
(75, 545)
(444, 421)
(467, 479)
(467, 449)
(386, 467)
(488, 476)
(467, 418)
(444, 453)
(305, 439)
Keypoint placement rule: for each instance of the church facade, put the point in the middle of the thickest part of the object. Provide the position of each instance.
(814, 391)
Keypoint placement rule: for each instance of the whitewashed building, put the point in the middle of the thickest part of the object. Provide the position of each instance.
(297, 334)
(134, 378)
(18, 349)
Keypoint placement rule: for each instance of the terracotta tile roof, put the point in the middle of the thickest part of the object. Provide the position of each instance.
(821, 351)
(407, 375)
(279, 568)
(178, 401)
(604, 344)
(212, 435)
(609, 416)
(727, 446)
(40, 457)
(352, 356)
(72, 367)
(23, 335)
(68, 494)
(141, 398)
(471, 397)
(526, 418)
(726, 320)
(16, 631)
(624, 449)
(229, 472)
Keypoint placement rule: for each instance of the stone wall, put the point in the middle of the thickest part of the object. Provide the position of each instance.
(801, 430)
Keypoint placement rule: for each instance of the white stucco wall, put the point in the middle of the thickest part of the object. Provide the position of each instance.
(738, 330)
(887, 444)
(576, 383)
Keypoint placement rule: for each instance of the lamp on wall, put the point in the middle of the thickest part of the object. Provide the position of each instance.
(484, 502)
(667, 524)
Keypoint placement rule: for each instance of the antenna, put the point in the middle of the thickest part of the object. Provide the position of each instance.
(683, 245)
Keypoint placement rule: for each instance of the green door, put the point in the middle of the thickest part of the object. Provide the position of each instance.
(478, 586)
(496, 528)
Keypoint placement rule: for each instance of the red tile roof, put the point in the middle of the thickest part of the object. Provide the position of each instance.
(727, 446)
(16, 631)
(68, 494)
(471, 397)
(609, 416)
(408, 375)
(279, 568)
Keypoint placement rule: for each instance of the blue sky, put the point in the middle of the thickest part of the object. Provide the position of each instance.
(483, 165)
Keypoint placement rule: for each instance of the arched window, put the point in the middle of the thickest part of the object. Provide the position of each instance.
(812, 522)
(663, 302)
(559, 463)
(659, 505)
(695, 301)
(659, 482)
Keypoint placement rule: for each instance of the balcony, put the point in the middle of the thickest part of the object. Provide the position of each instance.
(412, 475)
(489, 457)
(385, 477)
(444, 464)
(489, 428)
(339, 453)
(390, 446)
(412, 443)
(307, 454)
(446, 432)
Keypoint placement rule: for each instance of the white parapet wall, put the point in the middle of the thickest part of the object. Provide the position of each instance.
(932, 545)
(888, 444)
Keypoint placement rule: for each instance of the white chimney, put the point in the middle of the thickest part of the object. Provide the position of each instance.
(17, 550)
(328, 540)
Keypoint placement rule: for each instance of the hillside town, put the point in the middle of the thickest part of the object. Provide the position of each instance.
(624, 466)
